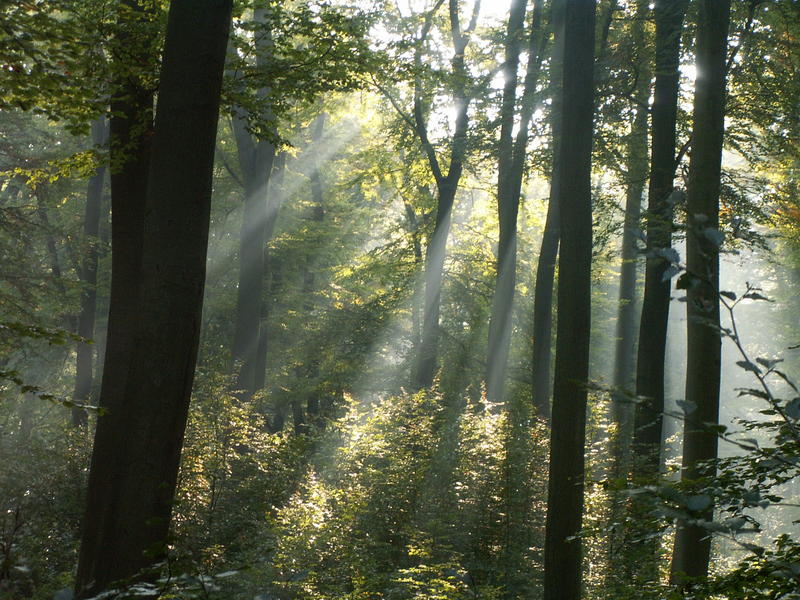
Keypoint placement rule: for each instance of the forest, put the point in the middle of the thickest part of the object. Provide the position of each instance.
(399, 299)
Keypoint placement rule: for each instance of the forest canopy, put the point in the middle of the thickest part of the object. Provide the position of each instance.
(409, 299)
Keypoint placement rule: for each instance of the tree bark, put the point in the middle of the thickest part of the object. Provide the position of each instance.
(562, 577)
(651, 353)
(88, 275)
(692, 542)
(137, 449)
(510, 170)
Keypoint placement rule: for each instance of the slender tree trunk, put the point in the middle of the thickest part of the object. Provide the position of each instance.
(447, 186)
(510, 170)
(88, 275)
(548, 251)
(317, 216)
(562, 577)
(274, 200)
(652, 344)
(256, 159)
(692, 542)
(624, 379)
(137, 448)
(427, 358)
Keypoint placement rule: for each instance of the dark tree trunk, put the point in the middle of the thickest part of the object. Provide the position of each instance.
(651, 353)
(693, 543)
(137, 448)
(130, 131)
(548, 251)
(510, 169)
(88, 276)
(562, 577)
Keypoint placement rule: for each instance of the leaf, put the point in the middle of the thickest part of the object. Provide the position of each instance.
(793, 409)
(670, 254)
(748, 366)
(687, 281)
(768, 363)
(698, 502)
(670, 272)
(715, 236)
(687, 406)
(756, 296)
(728, 295)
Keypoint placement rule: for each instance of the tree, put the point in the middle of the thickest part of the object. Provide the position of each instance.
(256, 157)
(562, 577)
(692, 542)
(138, 442)
(651, 353)
(88, 274)
(512, 151)
(446, 183)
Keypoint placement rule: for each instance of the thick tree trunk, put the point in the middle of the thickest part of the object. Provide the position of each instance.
(137, 449)
(130, 131)
(562, 577)
(693, 543)
(88, 275)
(510, 170)
(651, 353)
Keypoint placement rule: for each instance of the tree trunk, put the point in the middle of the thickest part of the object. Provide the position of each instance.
(651, 354)
(274, 200)
(427, 357)
(510, 170)
(548, 251)
(256, 159)
(88, 275)
(130, 131)
(446, 185)
(693, 543)
(624, 379)
(636, 175)
(562, 577)
(309, 375)
(137, 449)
